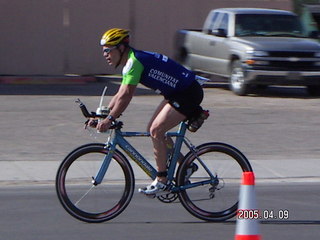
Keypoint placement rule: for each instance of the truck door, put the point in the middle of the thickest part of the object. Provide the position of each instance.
(214, 48)
(201, 44)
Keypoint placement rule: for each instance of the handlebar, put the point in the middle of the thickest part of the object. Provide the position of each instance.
(85, 112)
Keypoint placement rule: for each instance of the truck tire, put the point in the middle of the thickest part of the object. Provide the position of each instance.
(236, 80)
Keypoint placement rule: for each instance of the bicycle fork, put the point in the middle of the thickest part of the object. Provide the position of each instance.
(110, 148)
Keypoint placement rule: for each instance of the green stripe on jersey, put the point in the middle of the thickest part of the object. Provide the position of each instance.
(131, 73)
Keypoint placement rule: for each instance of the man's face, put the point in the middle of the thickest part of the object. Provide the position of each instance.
(111, 54)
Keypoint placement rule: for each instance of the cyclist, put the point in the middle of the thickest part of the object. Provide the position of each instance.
(182, 94)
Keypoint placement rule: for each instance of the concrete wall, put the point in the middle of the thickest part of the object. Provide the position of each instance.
(54, 37)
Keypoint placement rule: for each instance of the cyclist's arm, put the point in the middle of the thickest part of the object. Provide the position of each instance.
(121, 100)
(119, 103)
(131, 75)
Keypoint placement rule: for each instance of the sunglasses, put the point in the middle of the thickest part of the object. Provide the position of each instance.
(108, 50)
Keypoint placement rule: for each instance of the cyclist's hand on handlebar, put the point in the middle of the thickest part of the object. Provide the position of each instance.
(91, 122)
(104, 125)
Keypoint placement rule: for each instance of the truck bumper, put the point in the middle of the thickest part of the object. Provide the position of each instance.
(282, 77)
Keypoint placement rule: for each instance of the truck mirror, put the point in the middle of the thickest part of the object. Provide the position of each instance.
(220, 32)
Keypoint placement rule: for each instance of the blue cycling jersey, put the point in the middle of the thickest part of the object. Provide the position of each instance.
(156, 71)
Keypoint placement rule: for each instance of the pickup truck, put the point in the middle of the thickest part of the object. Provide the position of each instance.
(252, 47)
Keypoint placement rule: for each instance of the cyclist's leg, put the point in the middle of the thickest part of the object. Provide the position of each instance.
(169, 141)
(156, 112)
(170, 149)
(167, 118)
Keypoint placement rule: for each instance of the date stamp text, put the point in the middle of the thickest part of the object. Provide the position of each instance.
(281, 214)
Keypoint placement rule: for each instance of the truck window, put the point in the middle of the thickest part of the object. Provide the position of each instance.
(268, 25)
(212, 22)
(224, 22)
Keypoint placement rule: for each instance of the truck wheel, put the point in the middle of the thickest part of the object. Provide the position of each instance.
(313, 90)
(236, 81)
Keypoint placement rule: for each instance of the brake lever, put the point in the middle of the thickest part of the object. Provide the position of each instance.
(93, 124)
(84, 109)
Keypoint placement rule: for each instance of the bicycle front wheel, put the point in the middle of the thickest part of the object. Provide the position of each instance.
(85, 200)
(211, 192)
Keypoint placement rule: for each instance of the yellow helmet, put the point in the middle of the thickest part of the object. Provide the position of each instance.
(114, 37)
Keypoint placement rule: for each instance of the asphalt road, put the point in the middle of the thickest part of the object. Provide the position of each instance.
(34, 213)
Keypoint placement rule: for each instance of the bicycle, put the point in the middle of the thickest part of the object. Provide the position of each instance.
(95, 182)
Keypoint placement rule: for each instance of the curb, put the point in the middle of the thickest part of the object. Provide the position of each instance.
(47, 79)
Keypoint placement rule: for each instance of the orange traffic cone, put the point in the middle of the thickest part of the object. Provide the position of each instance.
(248, 215)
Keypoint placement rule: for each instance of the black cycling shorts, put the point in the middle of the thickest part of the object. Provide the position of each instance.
(188, 101)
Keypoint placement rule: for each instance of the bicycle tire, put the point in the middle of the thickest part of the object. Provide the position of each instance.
(218, 201)
(80, 197)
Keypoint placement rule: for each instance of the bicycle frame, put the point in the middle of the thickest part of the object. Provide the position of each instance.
(119, 140)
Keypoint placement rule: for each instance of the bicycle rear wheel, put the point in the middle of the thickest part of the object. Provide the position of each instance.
(217, 199)
(86, 201)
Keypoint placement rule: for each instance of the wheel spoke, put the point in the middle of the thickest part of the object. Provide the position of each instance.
(84, 195)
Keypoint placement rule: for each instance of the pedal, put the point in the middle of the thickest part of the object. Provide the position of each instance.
(147, 195)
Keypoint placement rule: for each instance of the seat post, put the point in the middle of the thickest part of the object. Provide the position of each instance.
(182, 128)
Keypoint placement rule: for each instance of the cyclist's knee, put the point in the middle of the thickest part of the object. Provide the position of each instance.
(156, 132)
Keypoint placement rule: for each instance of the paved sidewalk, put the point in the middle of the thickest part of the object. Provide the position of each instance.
(44, 172)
